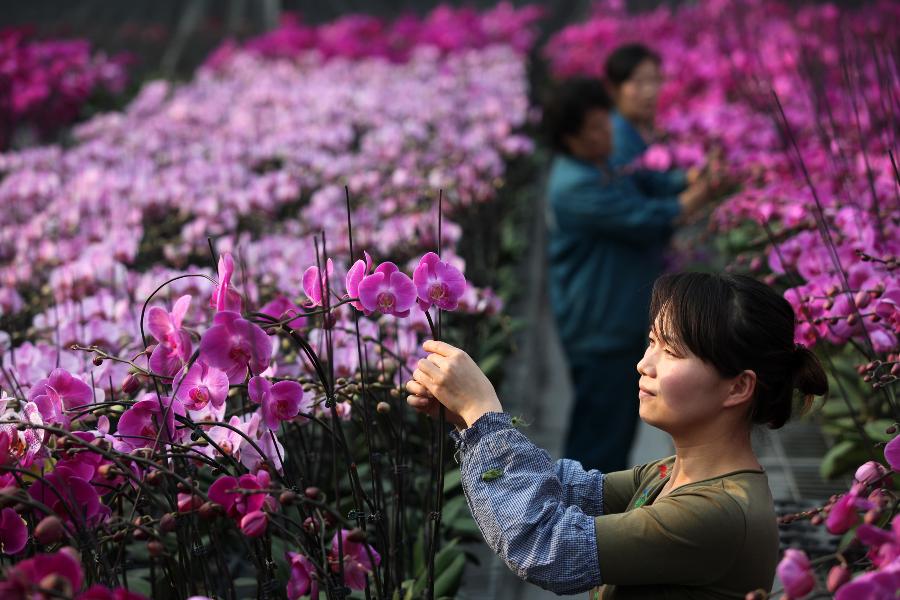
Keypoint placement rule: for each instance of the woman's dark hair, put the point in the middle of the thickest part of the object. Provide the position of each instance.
(625, 59)
(737, 323)
(567, 107)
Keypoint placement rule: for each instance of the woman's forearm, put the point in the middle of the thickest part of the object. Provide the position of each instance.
(517, 500)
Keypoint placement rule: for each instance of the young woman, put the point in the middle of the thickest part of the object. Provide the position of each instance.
(701, 524)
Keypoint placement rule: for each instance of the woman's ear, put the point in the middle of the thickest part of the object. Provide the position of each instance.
(742, 389)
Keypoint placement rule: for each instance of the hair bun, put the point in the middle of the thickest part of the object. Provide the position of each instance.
(809, 376)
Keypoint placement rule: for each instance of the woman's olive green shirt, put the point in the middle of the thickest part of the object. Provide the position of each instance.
(710, 539)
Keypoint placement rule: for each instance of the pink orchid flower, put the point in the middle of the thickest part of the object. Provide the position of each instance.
(59, 392)
(22, 577)
(355, 275)
(438, 283)
(892, 453)
(224, 297)
(315, 283)
(223, 491)
(174, 347)
(201, 385)
(303, 579)
(279, 402)
(13, 532)
(22, 446)
(234, 345)
(357, 563)
(796, 574)
(388, 291)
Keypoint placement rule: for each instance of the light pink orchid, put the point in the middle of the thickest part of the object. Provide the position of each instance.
(174, 347)
(316, 284)
(224, 296)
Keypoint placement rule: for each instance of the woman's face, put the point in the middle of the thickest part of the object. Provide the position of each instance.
(593, 142)
(637, 97)
(679, 392)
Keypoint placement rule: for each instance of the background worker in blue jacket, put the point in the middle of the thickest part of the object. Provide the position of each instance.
(608, 231)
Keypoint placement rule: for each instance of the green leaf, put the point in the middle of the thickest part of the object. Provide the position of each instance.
(442, 560)
(877, 430)
(447, 582)
(841, 458)
(452, 480)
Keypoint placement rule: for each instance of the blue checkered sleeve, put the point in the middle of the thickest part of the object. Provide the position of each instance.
(580, 488)
(525, 513)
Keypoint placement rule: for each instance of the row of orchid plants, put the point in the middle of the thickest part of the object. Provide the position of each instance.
(801, 104)
(156, 444)
(45, 84)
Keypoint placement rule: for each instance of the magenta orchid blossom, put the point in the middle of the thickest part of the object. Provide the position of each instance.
(281, 401)
(200, 386)
(224, 296)
(236, 346)
(796, 573)
(438, 283)
(13, 532)
(147, 420)
(223, 491)
(356, 559)
(316, 283)
(281, 307)
(62, 566)
(388, 291)
(355, 275)
(174, 347)
(303, 578)
(60, 392)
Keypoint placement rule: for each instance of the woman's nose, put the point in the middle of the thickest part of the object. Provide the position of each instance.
(644, 366)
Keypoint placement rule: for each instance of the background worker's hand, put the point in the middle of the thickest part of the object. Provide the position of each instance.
(450, 376)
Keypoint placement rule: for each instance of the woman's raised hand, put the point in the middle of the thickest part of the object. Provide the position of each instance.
(451, 377)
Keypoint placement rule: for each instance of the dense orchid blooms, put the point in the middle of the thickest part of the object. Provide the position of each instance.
(388, 291)
(884, 546)
(13, 532)
(225, 297)
(59, 392)
(59, 573)
(438, 283)
(280, 308)
(147, 420)
(281, 401)
(304, 579)
(796, 574)
(315, 283)
(22, 446)
(237, 504)
(235, 345)
(200, 386)
(174, 347)
(355, 275)
(68, 492)
(357, 561)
